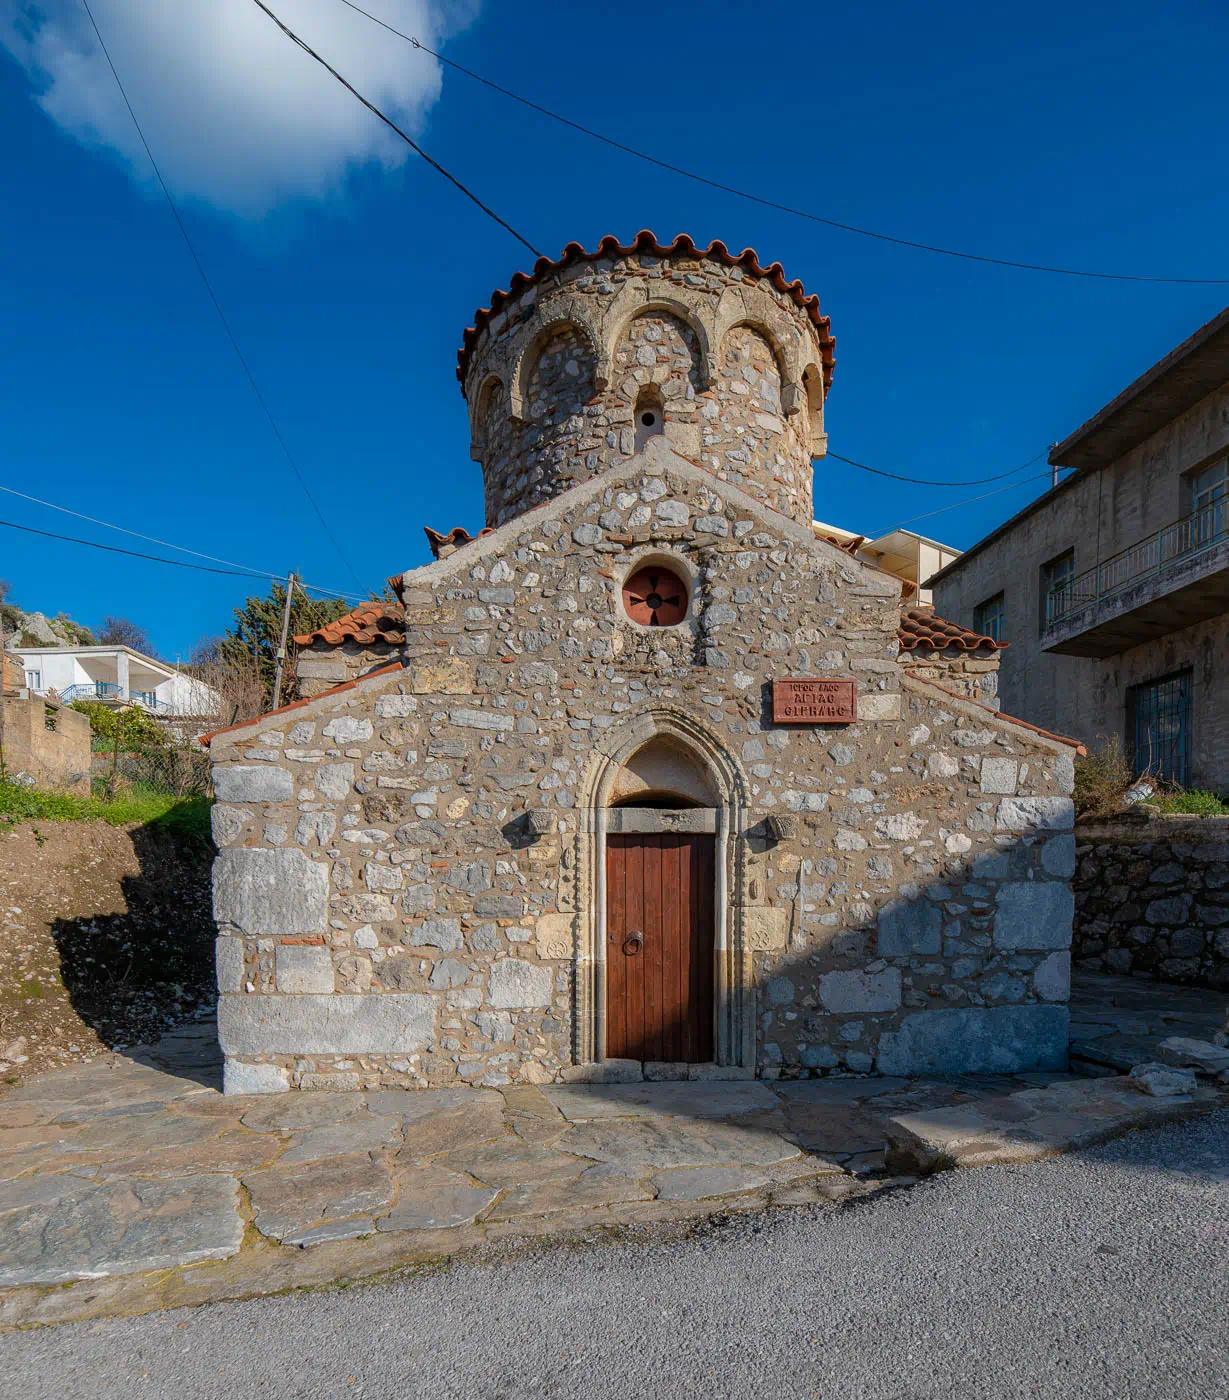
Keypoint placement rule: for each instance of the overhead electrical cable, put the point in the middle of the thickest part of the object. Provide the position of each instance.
(985, 496)
(217, 305)
(183, 549)
(134, 554)
(922, 481)
(392, 125)
(760, 199)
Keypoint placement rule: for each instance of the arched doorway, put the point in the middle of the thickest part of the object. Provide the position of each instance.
(660, 927)
(661, 807)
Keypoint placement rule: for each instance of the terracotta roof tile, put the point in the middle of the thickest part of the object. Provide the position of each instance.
(372, 622)
(923, 627)
(454, 539)
(646, 242)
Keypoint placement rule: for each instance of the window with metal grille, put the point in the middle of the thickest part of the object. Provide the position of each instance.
(1056, 576)
(1159, 727)
(989, 617)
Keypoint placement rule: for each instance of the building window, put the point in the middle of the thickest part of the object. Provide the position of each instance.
(1209, 503)
(34, 680)
(1159, 727)
(989, 617)
(1055, 595)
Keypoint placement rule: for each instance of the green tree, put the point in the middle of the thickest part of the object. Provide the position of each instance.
(258, 625)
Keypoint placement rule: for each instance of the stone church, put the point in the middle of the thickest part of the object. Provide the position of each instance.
(648, 779)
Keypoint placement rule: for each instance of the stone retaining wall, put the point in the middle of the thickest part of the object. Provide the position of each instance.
(1152, 897)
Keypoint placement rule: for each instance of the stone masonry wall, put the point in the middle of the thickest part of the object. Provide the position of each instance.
(320, 667)
(556, 379)
(389, 916)
(973, 674)
(1152, 898)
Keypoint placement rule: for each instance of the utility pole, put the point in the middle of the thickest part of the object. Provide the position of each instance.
(281, 646)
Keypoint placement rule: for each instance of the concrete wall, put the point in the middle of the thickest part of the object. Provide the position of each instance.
(49, 742)
(408, 885)
(1098, 513)
(1152, 897)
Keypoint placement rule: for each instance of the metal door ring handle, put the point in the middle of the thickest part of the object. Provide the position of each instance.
(633, 942)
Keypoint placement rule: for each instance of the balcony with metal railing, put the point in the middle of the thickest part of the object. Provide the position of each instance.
(112, 695)
(1169, 580)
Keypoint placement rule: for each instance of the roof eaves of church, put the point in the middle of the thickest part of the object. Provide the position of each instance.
(980, 711)
(384, 671)
(645, 242)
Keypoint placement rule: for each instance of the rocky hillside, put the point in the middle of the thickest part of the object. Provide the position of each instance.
(35, 629)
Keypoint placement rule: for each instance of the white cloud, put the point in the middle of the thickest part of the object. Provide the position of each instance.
(236, 114)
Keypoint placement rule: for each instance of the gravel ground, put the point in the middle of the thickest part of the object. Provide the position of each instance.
(1104, 1274)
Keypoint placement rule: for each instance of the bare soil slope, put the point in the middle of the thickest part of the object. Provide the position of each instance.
(106, 940)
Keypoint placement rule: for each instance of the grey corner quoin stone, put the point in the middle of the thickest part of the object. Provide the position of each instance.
(270, 893)
(1034, 914)
(252, 784)
(228, 959)
(1036, 813)
(911, 926)
(977, 1040)
(385, 1024)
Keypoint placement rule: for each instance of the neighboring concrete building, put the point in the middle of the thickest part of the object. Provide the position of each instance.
(905, 555)
(118, 676)
(1113, 587)
(559, 819)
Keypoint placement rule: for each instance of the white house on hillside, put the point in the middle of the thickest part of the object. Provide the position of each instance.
(117, 676)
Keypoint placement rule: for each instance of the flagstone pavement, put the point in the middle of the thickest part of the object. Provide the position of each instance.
(131, 1183)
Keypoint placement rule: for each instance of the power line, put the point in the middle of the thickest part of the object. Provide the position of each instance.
(392, 125)
(217, 305)
(921, 481)
(169, 544)
(760, 199)
(985, 496)
(132, 553)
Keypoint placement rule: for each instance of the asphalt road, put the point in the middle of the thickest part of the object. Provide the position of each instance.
(1104, 1275)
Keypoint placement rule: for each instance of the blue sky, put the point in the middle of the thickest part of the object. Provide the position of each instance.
(1088, 135)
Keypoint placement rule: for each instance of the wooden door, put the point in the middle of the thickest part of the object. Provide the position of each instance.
(659, 948)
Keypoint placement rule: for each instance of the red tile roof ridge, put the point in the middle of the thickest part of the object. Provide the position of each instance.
(206, 739)
(457, 537)
(920, 625)
(357, 626)
(646, 242)
(1079, 748)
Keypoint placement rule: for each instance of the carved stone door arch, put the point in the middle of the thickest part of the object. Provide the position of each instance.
(726, 791)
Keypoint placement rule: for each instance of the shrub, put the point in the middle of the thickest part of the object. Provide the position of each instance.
(134, 728)
(1195, 802)
(1102, 779)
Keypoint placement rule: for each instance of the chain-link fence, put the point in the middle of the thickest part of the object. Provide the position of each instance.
(175, 771)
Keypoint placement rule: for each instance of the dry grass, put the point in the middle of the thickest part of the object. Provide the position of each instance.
(1102, 779)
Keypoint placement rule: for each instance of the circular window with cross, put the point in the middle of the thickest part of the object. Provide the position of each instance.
(655, 597)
